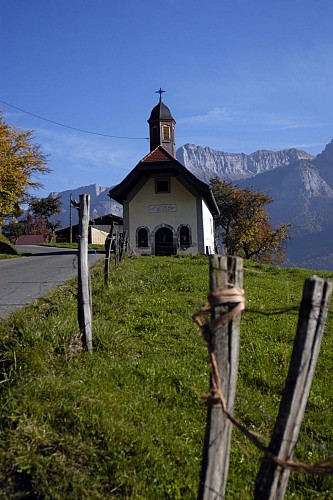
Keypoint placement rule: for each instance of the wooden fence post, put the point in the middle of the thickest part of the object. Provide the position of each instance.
(272, 479)
(126, 242)
(224, 270)
(116, 250)
(84, 290)
(108, 242)
(123, 244)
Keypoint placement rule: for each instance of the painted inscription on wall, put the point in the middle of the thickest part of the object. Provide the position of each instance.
(157, 209)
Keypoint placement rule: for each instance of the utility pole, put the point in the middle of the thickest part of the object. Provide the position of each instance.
(70, 219)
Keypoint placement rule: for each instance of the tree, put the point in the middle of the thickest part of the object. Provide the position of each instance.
(243, 224)
(43, 209)
(38, 220)
(20, 162)
(15, 230)
(30, 225)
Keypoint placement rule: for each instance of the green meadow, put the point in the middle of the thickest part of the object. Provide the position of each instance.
(128, 421)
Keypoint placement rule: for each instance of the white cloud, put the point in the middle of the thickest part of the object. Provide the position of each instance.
(213, 116)
(89, 151)
(245, 116)
(77, 159)
(310, 145)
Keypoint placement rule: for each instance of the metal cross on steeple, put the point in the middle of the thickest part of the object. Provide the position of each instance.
(160, 91)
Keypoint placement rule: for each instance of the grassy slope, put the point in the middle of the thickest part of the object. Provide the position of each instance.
(7, 250)
(128, 421)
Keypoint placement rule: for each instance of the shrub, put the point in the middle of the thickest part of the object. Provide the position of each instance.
(6, 247)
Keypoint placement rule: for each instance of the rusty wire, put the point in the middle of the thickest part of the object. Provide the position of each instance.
(230, 294)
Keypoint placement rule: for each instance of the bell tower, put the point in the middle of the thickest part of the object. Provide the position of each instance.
(162, 127)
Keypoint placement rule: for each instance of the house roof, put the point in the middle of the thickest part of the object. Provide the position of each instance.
(103, 220)
(160, 161)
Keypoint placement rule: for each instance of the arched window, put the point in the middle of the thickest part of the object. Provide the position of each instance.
(142, 237)
(184, 236)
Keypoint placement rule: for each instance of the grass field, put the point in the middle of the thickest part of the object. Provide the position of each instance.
(128, 421)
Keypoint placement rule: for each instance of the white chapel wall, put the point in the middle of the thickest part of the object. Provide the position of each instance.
(208, 228)
(151, 209)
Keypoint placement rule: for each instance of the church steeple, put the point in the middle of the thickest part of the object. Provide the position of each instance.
(162, 127)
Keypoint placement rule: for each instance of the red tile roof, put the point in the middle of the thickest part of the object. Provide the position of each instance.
(161, 162)
(158, 154)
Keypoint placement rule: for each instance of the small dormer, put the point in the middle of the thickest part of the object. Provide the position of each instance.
(162, 127)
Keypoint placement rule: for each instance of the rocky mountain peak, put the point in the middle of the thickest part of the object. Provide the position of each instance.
(314, 186)
(206, 163)
(327, 155)
(300, 184)
(92, 189)
(100, 203)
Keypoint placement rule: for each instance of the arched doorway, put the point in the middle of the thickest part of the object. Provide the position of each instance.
(164, 241)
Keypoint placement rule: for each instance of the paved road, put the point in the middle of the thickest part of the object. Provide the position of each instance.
(25, 279)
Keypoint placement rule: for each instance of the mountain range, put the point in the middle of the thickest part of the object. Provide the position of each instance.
(100, 203)
(300, 184)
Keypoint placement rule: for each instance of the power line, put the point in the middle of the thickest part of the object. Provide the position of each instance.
(72, 128)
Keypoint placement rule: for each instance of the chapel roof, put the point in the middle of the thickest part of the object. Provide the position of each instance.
(161, 162)
(160, 112)
(158, 154)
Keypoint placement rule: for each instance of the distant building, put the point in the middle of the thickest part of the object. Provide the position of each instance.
(30, 239)
(98, 229)
(166, 209)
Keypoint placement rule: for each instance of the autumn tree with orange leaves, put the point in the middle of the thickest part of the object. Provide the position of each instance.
(243, 224)
(20, 162)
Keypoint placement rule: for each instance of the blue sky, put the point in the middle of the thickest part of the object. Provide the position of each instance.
(239, 75)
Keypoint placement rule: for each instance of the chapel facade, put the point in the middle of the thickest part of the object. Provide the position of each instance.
(166, 209)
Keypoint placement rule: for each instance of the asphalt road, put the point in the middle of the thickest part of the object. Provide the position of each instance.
(26, 279)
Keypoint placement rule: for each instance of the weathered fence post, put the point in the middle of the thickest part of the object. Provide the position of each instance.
(108, 242)
(272, 479)
(126, 242)
(116, 250)
(224, 270)
(84, 292)
(123, 243)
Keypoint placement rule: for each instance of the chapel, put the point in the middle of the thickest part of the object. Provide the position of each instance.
(166, 209)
